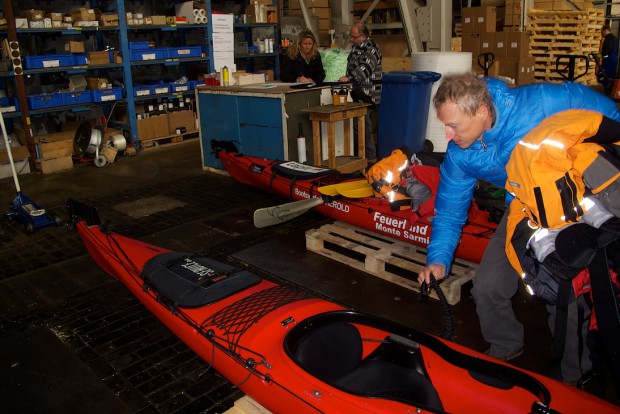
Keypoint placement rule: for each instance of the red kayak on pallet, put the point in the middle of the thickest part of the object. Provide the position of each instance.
(296, 353)
(303, 182)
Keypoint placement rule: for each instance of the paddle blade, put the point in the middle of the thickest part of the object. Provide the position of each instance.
(355, 189)
(357, 192)
(269, 216)
(351, 189)
(329, 190)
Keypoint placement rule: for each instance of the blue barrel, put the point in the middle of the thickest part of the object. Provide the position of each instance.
(403, 112)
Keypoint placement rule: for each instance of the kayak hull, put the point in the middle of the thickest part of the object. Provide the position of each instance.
(270, 340)
(370, 213)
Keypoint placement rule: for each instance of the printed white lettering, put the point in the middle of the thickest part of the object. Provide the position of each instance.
(385, 229)
(337, 205)
(197, 268)
(379, 218)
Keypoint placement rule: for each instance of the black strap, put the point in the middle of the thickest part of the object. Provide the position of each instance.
(607, 312)
(560, 329)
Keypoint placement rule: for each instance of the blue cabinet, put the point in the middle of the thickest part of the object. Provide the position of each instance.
(259, 122)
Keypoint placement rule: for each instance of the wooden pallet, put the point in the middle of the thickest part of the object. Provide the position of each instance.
(152, 143)
(246, 405)
(554, 32)
(392, 260)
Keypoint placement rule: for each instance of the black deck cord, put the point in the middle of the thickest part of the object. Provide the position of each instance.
(447, 331)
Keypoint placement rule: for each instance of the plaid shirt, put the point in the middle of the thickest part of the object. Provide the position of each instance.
(364, 69)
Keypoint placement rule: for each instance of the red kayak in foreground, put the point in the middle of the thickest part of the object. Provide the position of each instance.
(295, 353)
(296, 181)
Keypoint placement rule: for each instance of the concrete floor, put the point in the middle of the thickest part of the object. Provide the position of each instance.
(72, 339)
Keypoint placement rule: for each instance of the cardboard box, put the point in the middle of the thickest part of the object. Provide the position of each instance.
(34, 15)
(83, 15)
(54, 165)
(99, 58)
(471, 43)
(269, 73)
(17, 152)
(158, 20)
(522, 70)
(55, 17)
(153, 127)
(22, 166)
(250, 79)
(56, 145)
(391, 64)
(487, 42)
(181, 119)
(499, 45)
(527, 71)
(467, 20)
(74, 47)
(485, 19)
(518, 45)
(108, 19)
(96, 84)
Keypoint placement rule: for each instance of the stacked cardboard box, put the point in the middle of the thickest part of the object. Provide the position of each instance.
(510, 48)
(157, 121)
(513, 21)
(53, 152)
(320, 9)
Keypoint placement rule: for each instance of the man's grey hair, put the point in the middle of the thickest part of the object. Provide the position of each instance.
(467, 91)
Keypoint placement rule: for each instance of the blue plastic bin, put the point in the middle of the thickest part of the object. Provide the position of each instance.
(44, 101)
(404, 108)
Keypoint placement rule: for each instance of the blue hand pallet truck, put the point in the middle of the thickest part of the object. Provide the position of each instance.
(23, 208)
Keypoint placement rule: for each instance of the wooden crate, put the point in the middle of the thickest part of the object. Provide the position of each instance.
(384, 257)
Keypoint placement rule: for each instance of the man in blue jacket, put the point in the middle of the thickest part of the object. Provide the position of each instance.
(484, 120)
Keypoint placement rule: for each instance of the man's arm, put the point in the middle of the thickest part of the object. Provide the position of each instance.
(454, 197)
(366, 62)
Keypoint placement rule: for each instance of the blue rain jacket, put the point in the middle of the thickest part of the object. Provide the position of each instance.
(517, 110)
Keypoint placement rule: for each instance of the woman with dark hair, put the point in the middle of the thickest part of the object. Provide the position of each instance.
(302, 62)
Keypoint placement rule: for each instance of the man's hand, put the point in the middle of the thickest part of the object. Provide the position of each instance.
(437, 270)
(343, 79)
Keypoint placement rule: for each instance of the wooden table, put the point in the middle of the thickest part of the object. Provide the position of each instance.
(331, 114)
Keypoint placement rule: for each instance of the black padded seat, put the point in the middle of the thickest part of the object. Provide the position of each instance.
(383, 379)
(330, 351)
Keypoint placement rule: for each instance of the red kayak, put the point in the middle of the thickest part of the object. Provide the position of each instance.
(295, 353)
(303, 182)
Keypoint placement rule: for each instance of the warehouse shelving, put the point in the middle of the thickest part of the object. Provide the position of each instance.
(249, 59)
(125, 73)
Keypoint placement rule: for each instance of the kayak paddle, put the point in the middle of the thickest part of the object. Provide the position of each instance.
(269, 216)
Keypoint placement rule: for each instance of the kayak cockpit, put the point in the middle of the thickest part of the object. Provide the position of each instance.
(187, 280)
(333, 351)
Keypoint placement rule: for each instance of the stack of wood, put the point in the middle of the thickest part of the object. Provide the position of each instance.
(563, 32)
